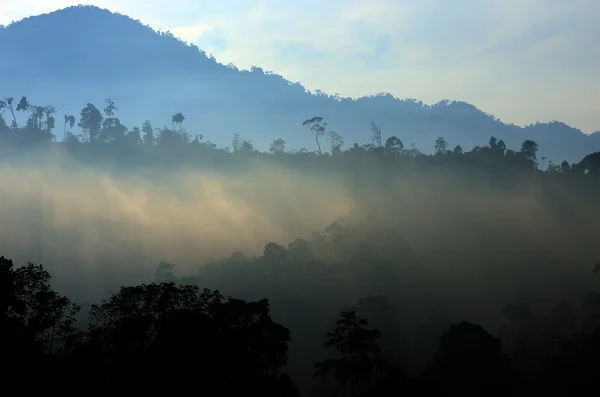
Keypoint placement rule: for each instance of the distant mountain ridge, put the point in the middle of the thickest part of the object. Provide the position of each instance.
(86, 54)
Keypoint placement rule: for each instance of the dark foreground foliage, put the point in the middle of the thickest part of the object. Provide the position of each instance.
(172, 337)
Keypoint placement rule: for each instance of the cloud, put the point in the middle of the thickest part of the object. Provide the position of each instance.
(193, 33)
(91, 222)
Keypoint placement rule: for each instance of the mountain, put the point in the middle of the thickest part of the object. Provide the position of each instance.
(86, 54)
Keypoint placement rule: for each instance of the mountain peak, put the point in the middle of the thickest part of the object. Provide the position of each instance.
(98, 42)
(83, 54)
(82, 13)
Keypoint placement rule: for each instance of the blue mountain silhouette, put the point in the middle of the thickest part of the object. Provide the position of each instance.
(86, 54)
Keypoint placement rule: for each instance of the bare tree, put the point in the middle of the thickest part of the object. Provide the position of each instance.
(336, 140)
(376, 134)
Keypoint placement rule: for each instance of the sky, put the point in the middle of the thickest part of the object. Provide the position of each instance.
(520, 60)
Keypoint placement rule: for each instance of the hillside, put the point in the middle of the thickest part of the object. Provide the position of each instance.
(85, 54)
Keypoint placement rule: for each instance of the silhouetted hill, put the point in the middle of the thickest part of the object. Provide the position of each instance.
(85, 54)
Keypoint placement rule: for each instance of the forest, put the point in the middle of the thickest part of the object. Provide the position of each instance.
(154, 74)
(350, 270)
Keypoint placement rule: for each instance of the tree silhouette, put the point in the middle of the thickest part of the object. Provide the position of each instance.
(112, 129)
(90, 122)
(148, 131)
(70, 121)
(591, 163)
(528, 152)
(8, 104)
(336, 140)
(236, 142)
(175, 137)
(274, 253)
(469, 361)
(393, 145)
(317, 127)
(361, 355)
(376, 131)
(47, 317)
(240, 349)
(277, 146)
(37, 323)
(441, 147)
(177, 120)
(247, 147)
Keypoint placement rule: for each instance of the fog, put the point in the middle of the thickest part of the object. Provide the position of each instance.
(451, 239)
(99, 226)
(92, 226)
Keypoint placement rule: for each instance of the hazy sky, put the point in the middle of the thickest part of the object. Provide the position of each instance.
(521, 60)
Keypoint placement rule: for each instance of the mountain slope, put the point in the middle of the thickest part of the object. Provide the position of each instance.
(85, 54)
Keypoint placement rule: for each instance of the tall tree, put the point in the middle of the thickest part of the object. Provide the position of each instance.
(70, 121)
(528, 152)
(336, 141)
(160, 326)
(177, 120)
(173, 137)
(277, 146)
(37, 317)
(236, 142)
(8, 104)
(360, 353)
(591, 163)
(376, 131)
(112, 129)
(91, 121)
(134, 136)
(393, 145)
(40, 122)
(317, 127)
(148, 131)
(441, 146)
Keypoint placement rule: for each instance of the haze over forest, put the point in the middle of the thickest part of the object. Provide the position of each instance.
(131, 159)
